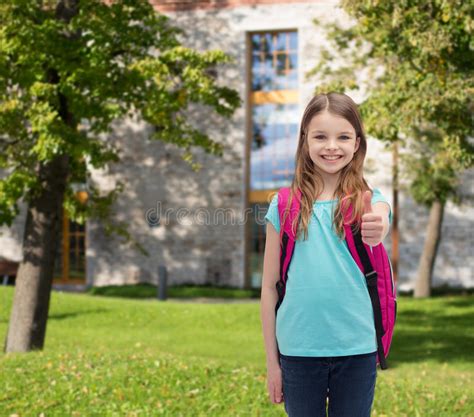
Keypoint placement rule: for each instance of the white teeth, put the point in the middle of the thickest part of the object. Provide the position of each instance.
(331, 157)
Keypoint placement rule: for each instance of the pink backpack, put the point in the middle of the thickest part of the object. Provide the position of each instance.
(372, 261)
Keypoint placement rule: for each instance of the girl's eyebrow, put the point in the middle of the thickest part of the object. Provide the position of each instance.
(322, 131)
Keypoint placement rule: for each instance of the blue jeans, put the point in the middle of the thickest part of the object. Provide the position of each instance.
(347, 381)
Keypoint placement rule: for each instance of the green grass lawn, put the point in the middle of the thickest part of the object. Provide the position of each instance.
(108, 356)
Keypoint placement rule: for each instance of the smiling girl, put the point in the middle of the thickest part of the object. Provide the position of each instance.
(321, 346)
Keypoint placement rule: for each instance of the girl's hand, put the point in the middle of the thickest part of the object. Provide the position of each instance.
(274, 383)
(372, 223)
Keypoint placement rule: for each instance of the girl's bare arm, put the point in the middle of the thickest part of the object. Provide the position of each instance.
(269, 295)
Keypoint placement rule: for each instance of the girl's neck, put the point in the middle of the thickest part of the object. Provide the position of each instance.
(330, 182)
(327, 193)
(326, 197)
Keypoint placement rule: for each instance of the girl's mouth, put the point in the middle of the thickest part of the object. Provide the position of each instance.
(331, 159)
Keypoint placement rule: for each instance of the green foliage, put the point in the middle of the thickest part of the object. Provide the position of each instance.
(11, 190)
(63, 81)
(417, 57)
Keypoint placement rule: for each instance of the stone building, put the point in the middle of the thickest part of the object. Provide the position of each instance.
(202, 236)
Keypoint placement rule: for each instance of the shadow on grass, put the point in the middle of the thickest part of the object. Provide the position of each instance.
(179, 291)
(69, 315)
(463, 302)
(422, 335)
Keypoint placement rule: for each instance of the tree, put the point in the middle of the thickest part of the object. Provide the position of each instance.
(417, 57)
(68, 68)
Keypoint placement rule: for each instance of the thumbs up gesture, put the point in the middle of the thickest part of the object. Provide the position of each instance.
(372, 223)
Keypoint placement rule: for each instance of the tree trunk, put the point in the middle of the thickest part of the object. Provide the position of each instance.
(428, 257)
(27, 327)
(29, 315)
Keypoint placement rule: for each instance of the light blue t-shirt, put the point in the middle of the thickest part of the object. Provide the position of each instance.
(326, 310)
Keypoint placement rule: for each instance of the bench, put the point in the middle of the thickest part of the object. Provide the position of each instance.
(8, 269)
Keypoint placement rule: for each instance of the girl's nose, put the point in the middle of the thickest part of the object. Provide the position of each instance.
(331, 145)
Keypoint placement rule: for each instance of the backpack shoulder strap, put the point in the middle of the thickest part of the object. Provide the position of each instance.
(287, 237)
(364, 257)
(283, 196)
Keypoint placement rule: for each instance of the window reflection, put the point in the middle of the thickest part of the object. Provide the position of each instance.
(275, 122)
(257, 248)
(273, 145)
(274, 61)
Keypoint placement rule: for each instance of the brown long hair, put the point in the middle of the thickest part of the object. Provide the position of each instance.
(351, 184)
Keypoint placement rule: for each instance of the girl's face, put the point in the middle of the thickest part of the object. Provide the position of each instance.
(331, 135)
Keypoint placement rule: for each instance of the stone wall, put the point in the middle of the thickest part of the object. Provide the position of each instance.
(156, 177)
(194, 253)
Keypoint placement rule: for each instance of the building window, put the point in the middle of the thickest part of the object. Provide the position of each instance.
(274, 128)
(70, 263)
(274, 109)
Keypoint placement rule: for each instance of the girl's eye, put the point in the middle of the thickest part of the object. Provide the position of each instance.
(323, 137)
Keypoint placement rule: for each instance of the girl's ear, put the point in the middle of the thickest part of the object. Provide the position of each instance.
(357, 144)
